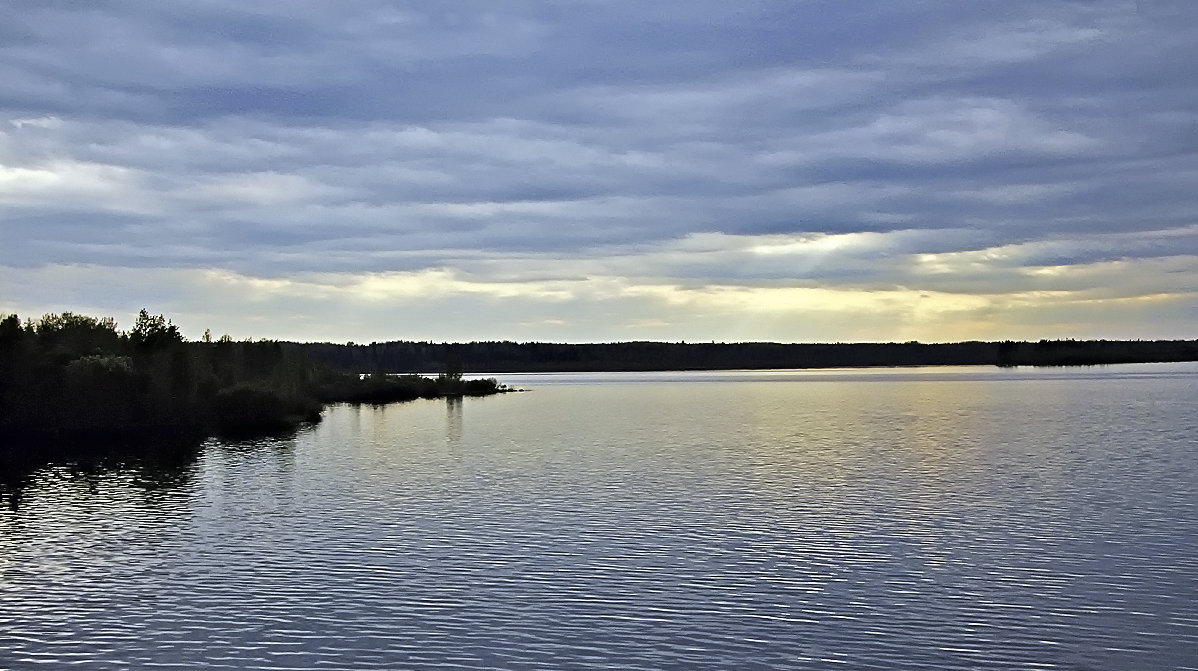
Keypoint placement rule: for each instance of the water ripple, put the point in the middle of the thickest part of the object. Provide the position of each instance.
(872, 522)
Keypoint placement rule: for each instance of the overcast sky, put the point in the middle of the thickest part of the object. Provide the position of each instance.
(605, 170)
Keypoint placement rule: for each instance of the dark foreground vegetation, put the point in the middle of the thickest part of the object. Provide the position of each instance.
(498, 357)
(71, 375)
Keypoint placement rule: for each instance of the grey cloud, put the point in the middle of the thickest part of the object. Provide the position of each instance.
(294, 137)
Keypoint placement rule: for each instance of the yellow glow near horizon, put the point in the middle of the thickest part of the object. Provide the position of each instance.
(443, 303)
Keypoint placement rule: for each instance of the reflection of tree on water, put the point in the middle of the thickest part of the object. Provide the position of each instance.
(12, 483)
(155, 466)
(453, 419)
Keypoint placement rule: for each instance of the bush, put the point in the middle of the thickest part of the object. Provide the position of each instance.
(248, 407)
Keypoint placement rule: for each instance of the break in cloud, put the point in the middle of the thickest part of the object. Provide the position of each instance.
(617, 170)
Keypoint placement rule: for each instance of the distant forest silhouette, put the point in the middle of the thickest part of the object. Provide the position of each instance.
(500, 357)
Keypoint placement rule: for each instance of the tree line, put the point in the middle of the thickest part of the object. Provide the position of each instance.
(70, 373)
(506, 356)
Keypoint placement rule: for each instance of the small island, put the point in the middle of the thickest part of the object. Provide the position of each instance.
(74, 376)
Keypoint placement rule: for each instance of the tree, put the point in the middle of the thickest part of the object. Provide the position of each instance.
(453, 367)
(153, 332)
(70, 335)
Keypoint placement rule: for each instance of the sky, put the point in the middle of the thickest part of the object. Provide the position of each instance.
(604, 170)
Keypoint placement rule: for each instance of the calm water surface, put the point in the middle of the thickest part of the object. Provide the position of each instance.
(947, 518)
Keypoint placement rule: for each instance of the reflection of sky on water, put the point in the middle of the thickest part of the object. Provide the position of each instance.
(997, 518)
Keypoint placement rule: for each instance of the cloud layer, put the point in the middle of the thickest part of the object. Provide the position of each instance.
(588, 171)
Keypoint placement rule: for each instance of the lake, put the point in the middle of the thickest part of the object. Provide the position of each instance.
(947, 518)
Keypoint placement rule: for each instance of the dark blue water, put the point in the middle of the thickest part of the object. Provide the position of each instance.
(961, 518)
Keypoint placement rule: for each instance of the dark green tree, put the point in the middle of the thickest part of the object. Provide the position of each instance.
(154, 332)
